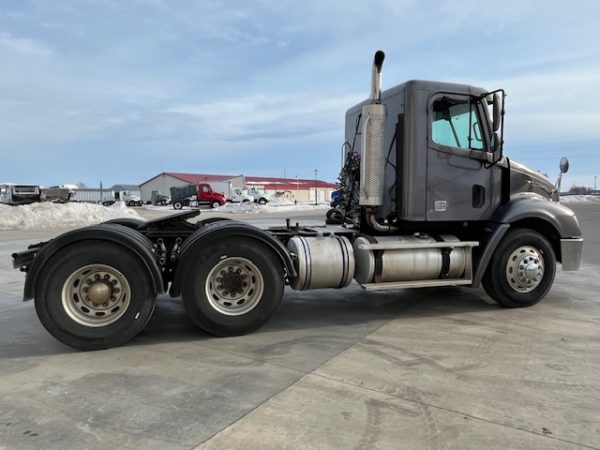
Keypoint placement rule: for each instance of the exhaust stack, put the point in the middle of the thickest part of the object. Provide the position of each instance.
(372, 164)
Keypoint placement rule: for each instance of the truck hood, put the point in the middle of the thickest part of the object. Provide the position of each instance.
(524, 179)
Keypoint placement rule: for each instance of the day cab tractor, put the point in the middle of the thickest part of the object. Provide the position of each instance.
(429, 199)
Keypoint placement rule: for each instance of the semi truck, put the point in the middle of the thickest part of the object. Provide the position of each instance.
(430, 199)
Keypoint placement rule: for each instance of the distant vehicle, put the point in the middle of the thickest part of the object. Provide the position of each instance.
(159, 199)
(129, 198)
(336, 198)
(20, 194)
(261, 198)
(58, 194)
(196, 195)
(233, 194)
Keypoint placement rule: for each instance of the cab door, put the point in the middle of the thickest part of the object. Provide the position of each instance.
(461, 183)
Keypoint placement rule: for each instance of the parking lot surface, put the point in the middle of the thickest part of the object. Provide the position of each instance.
(428, 368)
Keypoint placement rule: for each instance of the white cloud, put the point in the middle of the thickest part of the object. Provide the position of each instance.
(23, 46)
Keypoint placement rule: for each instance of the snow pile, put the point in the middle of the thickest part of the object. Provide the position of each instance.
(271, 207)
(54, 215)
(579, 198)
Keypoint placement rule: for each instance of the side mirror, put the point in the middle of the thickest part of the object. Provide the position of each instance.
(496, 113)
(495, 143)
(564, 165)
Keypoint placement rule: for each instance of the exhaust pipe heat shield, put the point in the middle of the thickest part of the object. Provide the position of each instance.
(372, 166)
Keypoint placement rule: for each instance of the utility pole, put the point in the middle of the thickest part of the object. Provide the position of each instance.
(316, 188)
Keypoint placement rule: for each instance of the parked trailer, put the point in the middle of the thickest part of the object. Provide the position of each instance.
(428, 200)
(20, 194)
(93, 195)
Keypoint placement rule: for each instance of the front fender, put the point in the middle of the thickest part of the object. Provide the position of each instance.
(529, 210)
(227, 230)
(122, 235)
(527, 205)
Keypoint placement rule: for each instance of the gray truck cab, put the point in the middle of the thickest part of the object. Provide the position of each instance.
(443, 168)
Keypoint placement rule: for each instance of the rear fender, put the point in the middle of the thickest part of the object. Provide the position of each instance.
(227, 230)
(119, 234)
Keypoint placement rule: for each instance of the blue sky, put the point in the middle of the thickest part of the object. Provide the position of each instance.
(117, 91)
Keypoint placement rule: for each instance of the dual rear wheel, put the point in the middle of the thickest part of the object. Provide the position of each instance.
(94, 295)
(232, 287)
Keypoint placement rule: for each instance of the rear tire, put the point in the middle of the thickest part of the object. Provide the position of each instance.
(522, 269)
(77, 280)
(262, 201)
(232, 287)
(177, 205)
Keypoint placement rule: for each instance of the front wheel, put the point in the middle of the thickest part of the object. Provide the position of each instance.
(232, 287)
(522, 269)
(94, 295)
(177, 205)
(215, 204)
(262, 201)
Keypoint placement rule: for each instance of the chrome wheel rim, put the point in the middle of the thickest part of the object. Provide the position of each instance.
(525, 269)
(96, 295)
(234, 286)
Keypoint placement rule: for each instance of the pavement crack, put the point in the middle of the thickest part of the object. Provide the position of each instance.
(423, 404)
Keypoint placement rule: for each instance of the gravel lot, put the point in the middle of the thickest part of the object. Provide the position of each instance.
(429, 368)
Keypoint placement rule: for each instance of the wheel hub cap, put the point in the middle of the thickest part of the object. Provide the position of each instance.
(234, 286)
(96, 295)
(525, 269)
(99, 293)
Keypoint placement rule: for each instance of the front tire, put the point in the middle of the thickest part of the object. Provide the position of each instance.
(232, 287)
(262, 201)
(94, 295)
(215, 204)
(522, 269)
(177, 205)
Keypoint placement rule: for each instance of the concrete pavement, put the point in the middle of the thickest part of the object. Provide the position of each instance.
(429, 368)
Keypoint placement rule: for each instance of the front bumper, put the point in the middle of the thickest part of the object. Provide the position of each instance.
(571, 250)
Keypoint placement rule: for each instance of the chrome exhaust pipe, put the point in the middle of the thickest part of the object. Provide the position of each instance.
(376, 77)
(372, 165)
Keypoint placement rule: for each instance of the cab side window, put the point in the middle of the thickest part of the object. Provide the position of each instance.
(455, 123)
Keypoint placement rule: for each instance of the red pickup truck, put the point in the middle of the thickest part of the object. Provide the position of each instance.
(196, 195)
